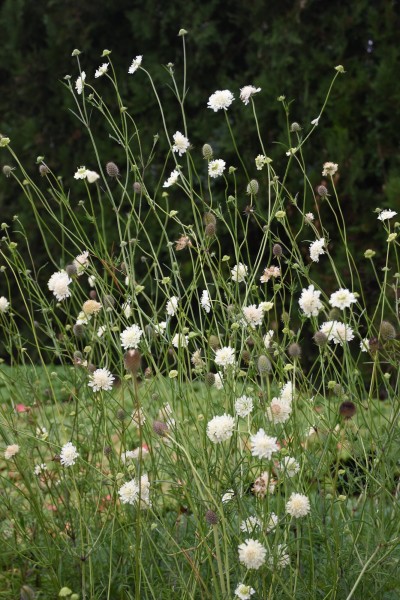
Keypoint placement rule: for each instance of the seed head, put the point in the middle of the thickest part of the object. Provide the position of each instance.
(209, 379)
(93, 295)
(253, 187)
(79, 330)
(112, 169)
(322, 191)
(374, 345)
(387, 331)
(132, 361)
(44, 170)
(277, 250)
(137, 187)
(246, 357)
(250, 342)
(107, 450)
(210, 230)
(108, 301)
(335, 315)
(209, 219)
(71, 269)
(321, 339)
(211, 517)
(347, 409)
(338, 389)
(207, 152)
(214, 342)
(294, 350)
(7, 170)
(160, 428)
(121, 414)
(295, 127)
(263, 364)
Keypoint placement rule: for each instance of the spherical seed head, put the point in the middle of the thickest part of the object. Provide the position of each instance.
(253, 187)
(132, 360)
(246, 357)
(148, 373)
(347, 409)
(91, 368)
(44, 170)
(107, 450)
(322, 191)
(137, 187)
(79, 330)
(209, 218)
(295, 127)
(160, 428)
(93, 295)
(211, 517)
(250, 342)
(121, 414)
(209, 379)
(335, 315)
(321, 339)
(108, 301)
(285, 318)
(207, 152)
(387, 331)
(71, 270)
(374, 345)
(210, 230)
(214, 342)
(112, 169)
(277, 250)
(263, 364)
(294, 350)
(7, 170)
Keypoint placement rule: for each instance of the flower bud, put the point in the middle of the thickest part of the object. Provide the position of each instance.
(79, 330)
(7, 170)
(207, 152)
(295, 127)
(137, 187)
(209, 219)
(263, 364)
(160, 428)
(253, 187)
(214, 342)
(322, 191)
(44, 170)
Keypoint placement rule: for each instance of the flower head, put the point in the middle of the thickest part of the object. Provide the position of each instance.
(342, 299)
(239, 272)
(101, 379)
(225, 357)
(262, 445)
(309, 301)
(4, 304)
(79, 83)
(316, 249)
(386, 214)
(337, 332)
(269, 272)
(290, 466)
(252, 316)
(101, 70)
(298, 506)
(244, 406)
(172, 306)
(11, 451)
(181, 143)
(92, 176)
(247, 92)
(81, 173)
(221, 99)
(135, 64)
(81, 262)
(172, 179)
(130, 337)
(279, 410)
(244, 592)
(329, 168)
(216, 167)
(180, 341)
(268, 338)
(68, 455)
(132, 490)
(252, 554)
(220, 428)
(205, 301)
(58, 284)
(250, 524)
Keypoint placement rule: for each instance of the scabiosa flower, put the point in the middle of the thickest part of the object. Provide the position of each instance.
(218, 381)
(261, 160)
(130, 337)
(135, 64)
(172, 179)
(239, 273)
(220, 428)
(4, 305)
(252, 316)
(266, 306)
(247, 92)
(92, 176)
(298, 505)
(101, 331)
(216, 167)
(329, 168)
(131, 491)
(309, 218)
(365, 345)
(181, 143)
(250, 524)
(58, 284)
(290, 466)
(386, 214)
(205, 301)
(102, 70)
(342, 299)
(337, 332)
(81, 262)
(244, 406)
(81, 173)
(268, 338)
(101, 379)
(180, 341)
(39, 469)
(225, 357)
(227, 497)
(172, 306)
(279, 410)
(11, 451)
(287, 391)
(317, 249)
(309, 301)
(79, 83)
(244, 592)
(68, 455)
(221, 99)
(270, 272)
(280, 559)
(91, 307)
(252, 554)
(262, 445)
(263, 485)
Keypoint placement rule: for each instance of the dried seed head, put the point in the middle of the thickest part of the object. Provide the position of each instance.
(374, 345)
(7, 170)
(277, 250)
(71, 270)
(107, 450)
(93, 295)
(246, 357)
(132, 360)
(44, 170)
(322, 191)
(263, 364)
(160, 428)
(137, 187)
(321, 339)
(121, 414)
(148, 373)
(347, 409)
(253, 187)
(183, 242)
(210, 230)
(108, 301)
(294, 350)
(214, 342)
(211, 517)
(79, 330)
(207, 152)
(209, 219)
(112, 169)
(387, 331)
(209, 379)
(295, 127)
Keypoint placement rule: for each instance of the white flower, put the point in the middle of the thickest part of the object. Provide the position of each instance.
(250, 524)
(342, 299)
(239, 272)
(92, 280)
(252, 316)
(101, 379)
(80, 82)
(263, 485)
(180, 341)
(159, 328)
(181, 143)
(261, 160)
(252, 554)
(279, 410)
(101, 331)
(128, 455)
(225, 357)
(92, 176)
(173, 178)
(205, 301)
(216, 167)
(81, 173)
(365, 345)
(309, 218)
(11, 451)
(386, 214)
(244, 591)
(68, 455)
(315, 121)
(316, 249)
(337, 332)
(290, 466)
(131, 491)
(298, 505)
(102, 70)
(135, 64)
(220, 428)
(81, 262)
(196, 360)
(309, 301)
(58, 284)
(272, 522)
(227, 497)
(127, 310)
(269, 272)
(39, 469)
(130, 337)
(268, 338)
(4, 304)
(219, 380)
(221, 99)
(280, 558)
(262, 445)
(172, 306)
(287, 392)
(329, 168)
(266, 306)
(247, 92)
(244, 406)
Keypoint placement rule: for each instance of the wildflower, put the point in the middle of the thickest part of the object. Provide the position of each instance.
(268, 338)
(218, 380)
(180, 341)
(68, 455)
(329, 168)
(205, 301)
(244, 592)
(130, 337)
(386, 214)
(101, 379)
(252, 316)
(101, 331)
(225, 357)
(91, 307)
(291, 151)
(181, 143)
(337, 332)
(211, 517)
(298, 505)
(322, 191)
(183, 242)
(261, 160)
(216, 167)
(239, 272)
(172, 179)
(197, 361)
(280, 559)
(58, 284)
(290, 466)
(243, 406)
(270, 272)
(79, 83)
(4, 304)
(220, 428)
(317, 249)
(287, 391)
(132, 490)
(172, 306)
(364, 345)
(39, 469)
(309, 301)
(135, 64)
(81, 173)
(262, 445)
(342, 299)
(221, 99)
(101, 70)
(247, 92)
(92, 176)
(279, 410)
(92, 280)
(227, 497)
(252, 554)
(309, 218)
(315, 121)
(250, 524)
(11, 451)
(266, 306)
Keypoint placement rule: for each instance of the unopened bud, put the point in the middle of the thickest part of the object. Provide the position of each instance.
(160, 428)
(214, 342)
(347, 409)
